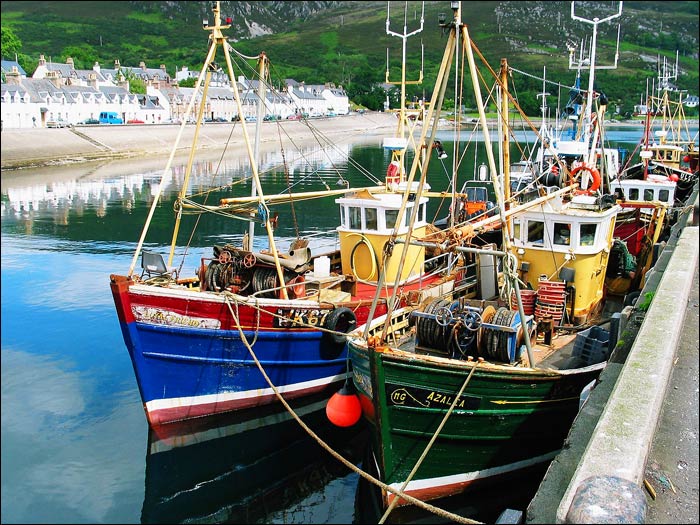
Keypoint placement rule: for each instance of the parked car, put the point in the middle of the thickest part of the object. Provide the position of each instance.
(220, 119)
(58, 123)
(251, 118)
(90, 121)
(135, 121)
(298, 116)
(110, 117)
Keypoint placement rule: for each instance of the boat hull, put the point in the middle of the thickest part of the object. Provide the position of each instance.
(190, 358)
(507, 419)
(197, 354)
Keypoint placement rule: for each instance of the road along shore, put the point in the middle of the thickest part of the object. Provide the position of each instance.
(38, 147)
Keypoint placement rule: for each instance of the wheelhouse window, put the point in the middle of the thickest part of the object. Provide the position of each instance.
(535, 232)
(391, 215)
(634, 194)
(562, 233)
(516, 230)
(649, 195)
(371, 218)
(587, 234)
(355, 214)
(664, 195)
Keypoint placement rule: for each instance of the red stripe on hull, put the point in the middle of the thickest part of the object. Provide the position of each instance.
(164, 416)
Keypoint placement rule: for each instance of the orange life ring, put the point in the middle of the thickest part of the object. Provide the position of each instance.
(594, 173)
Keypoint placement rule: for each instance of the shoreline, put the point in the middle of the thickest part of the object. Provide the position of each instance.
(140, 145)
(27, 149)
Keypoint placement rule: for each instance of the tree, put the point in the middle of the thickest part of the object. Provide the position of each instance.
(83, 55)
(11, 44)
(187, 82)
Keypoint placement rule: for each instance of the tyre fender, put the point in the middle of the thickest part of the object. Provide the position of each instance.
(340, 321)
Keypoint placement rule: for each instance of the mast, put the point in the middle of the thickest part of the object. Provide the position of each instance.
(262, 63)
(504, 132)
(216, 39)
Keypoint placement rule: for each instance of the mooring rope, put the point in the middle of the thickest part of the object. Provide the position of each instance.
(350, 465)
(432, 440)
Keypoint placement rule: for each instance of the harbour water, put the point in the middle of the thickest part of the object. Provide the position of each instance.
(76, 447)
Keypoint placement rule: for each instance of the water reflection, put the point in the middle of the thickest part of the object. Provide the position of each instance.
(24, 198)
(248, 467)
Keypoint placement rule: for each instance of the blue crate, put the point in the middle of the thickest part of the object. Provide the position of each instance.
(592, 345)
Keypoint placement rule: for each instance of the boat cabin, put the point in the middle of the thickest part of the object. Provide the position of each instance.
(566, 242)
(367, 223)
(667, 154)
(655, 189)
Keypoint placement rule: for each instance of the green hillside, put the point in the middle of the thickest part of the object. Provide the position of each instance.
(346, 42)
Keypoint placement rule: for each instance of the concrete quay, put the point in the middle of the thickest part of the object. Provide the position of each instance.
(632, 453)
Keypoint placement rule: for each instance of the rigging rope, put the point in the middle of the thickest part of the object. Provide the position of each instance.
(336, 455)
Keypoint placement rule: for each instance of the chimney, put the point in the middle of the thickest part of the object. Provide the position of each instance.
(142, 65)
(92, 80)
(122, 82)
(117, 65)
(55, 78)
(69, 61)
(42, 60)
(96, 67)
(162, 68)
(13, 77)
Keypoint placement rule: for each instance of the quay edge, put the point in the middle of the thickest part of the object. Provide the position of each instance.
(610, 441)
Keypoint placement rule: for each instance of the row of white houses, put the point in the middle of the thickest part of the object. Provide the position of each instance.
(61, 93)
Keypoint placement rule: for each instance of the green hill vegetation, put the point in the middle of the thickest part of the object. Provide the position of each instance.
(346, 42)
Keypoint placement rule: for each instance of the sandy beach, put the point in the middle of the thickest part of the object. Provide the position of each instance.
(28, 149)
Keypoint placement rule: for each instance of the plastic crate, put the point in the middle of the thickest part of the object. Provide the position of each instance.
(592, 345)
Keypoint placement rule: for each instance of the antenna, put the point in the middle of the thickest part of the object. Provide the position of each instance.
(595, 22)
(404, 36)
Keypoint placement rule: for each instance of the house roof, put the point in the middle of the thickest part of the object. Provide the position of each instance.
(7, 66)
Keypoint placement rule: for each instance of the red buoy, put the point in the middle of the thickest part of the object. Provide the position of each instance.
(343, 408)
(673, 177)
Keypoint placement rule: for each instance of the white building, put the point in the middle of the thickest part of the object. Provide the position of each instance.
(32, 102)
(59, 92)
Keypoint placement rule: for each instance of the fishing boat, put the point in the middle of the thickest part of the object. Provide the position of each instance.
(252, 325)
(652, 191)
(563, 148)
(463, 392)
(667, 167)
